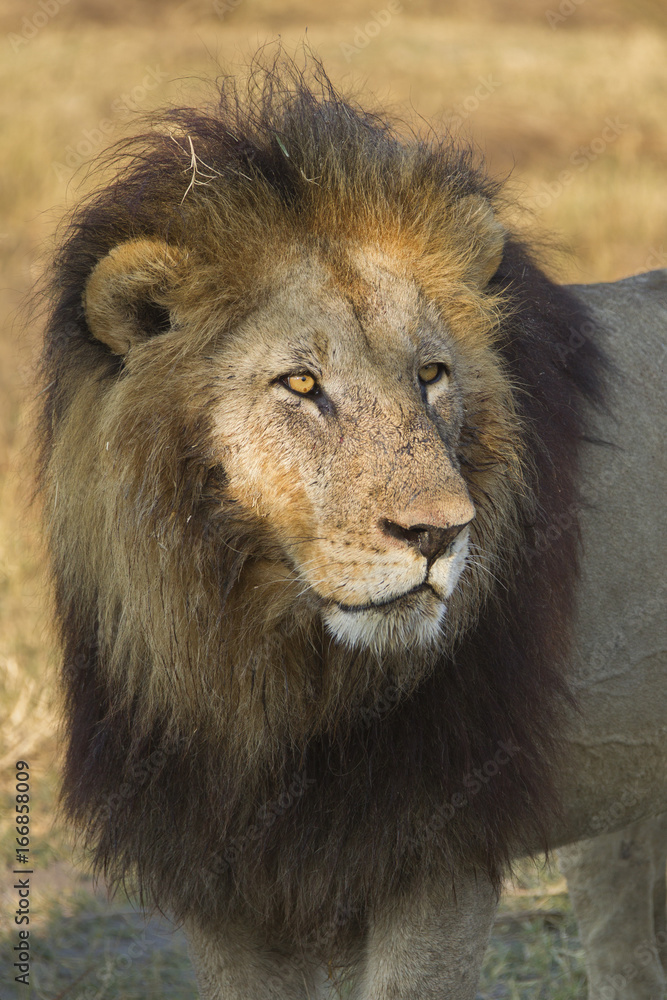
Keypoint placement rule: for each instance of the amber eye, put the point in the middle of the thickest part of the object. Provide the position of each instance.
(430, 373)
(303, 384)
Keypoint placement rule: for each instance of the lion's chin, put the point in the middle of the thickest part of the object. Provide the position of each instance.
(409, 622)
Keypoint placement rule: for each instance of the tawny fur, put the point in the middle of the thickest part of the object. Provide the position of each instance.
(189, 637)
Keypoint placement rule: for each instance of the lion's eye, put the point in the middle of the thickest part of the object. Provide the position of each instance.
(303, 384)
(431, 373)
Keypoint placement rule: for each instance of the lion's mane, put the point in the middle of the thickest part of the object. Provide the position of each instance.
(329, 783)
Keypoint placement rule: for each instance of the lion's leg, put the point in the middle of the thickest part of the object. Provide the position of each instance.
(236, 964)
(659, 837)
(617, 886)
(428, 946)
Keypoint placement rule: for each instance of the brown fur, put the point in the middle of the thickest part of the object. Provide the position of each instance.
(191, 704)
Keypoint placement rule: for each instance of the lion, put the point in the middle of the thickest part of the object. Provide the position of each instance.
(314, 443)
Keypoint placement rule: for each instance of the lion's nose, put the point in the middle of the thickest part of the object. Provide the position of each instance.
(431, 541)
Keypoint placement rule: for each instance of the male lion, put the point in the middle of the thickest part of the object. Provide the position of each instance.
(314, 457)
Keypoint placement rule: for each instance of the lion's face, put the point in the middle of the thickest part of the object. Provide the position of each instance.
(357, 406)
(338, 428)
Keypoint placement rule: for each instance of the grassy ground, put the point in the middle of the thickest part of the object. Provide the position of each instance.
(569, 107)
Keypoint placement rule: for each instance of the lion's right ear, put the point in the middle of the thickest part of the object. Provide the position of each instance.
(484, 237)
(129, 294)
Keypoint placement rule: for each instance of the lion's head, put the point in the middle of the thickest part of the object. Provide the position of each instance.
(360, 422)
(305, 414)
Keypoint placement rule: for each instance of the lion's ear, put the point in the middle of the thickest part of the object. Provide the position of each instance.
(129, 294)
(485, 237)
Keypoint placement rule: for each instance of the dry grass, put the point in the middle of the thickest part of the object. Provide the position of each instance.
(533, 97)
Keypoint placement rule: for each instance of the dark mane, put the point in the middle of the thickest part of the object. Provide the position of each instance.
(331, 823)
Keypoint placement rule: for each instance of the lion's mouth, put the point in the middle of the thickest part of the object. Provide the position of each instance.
(374, 605)
(413, 618)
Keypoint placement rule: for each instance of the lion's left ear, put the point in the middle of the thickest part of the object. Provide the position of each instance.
(129, 294)
(484, 235)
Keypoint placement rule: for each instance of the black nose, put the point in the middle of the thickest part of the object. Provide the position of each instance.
(432, 542)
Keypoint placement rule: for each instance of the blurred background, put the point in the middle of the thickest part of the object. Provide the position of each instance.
(566, 100)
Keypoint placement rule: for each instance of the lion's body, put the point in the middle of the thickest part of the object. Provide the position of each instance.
(618, 668)
(310, 423)
(614, 777)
